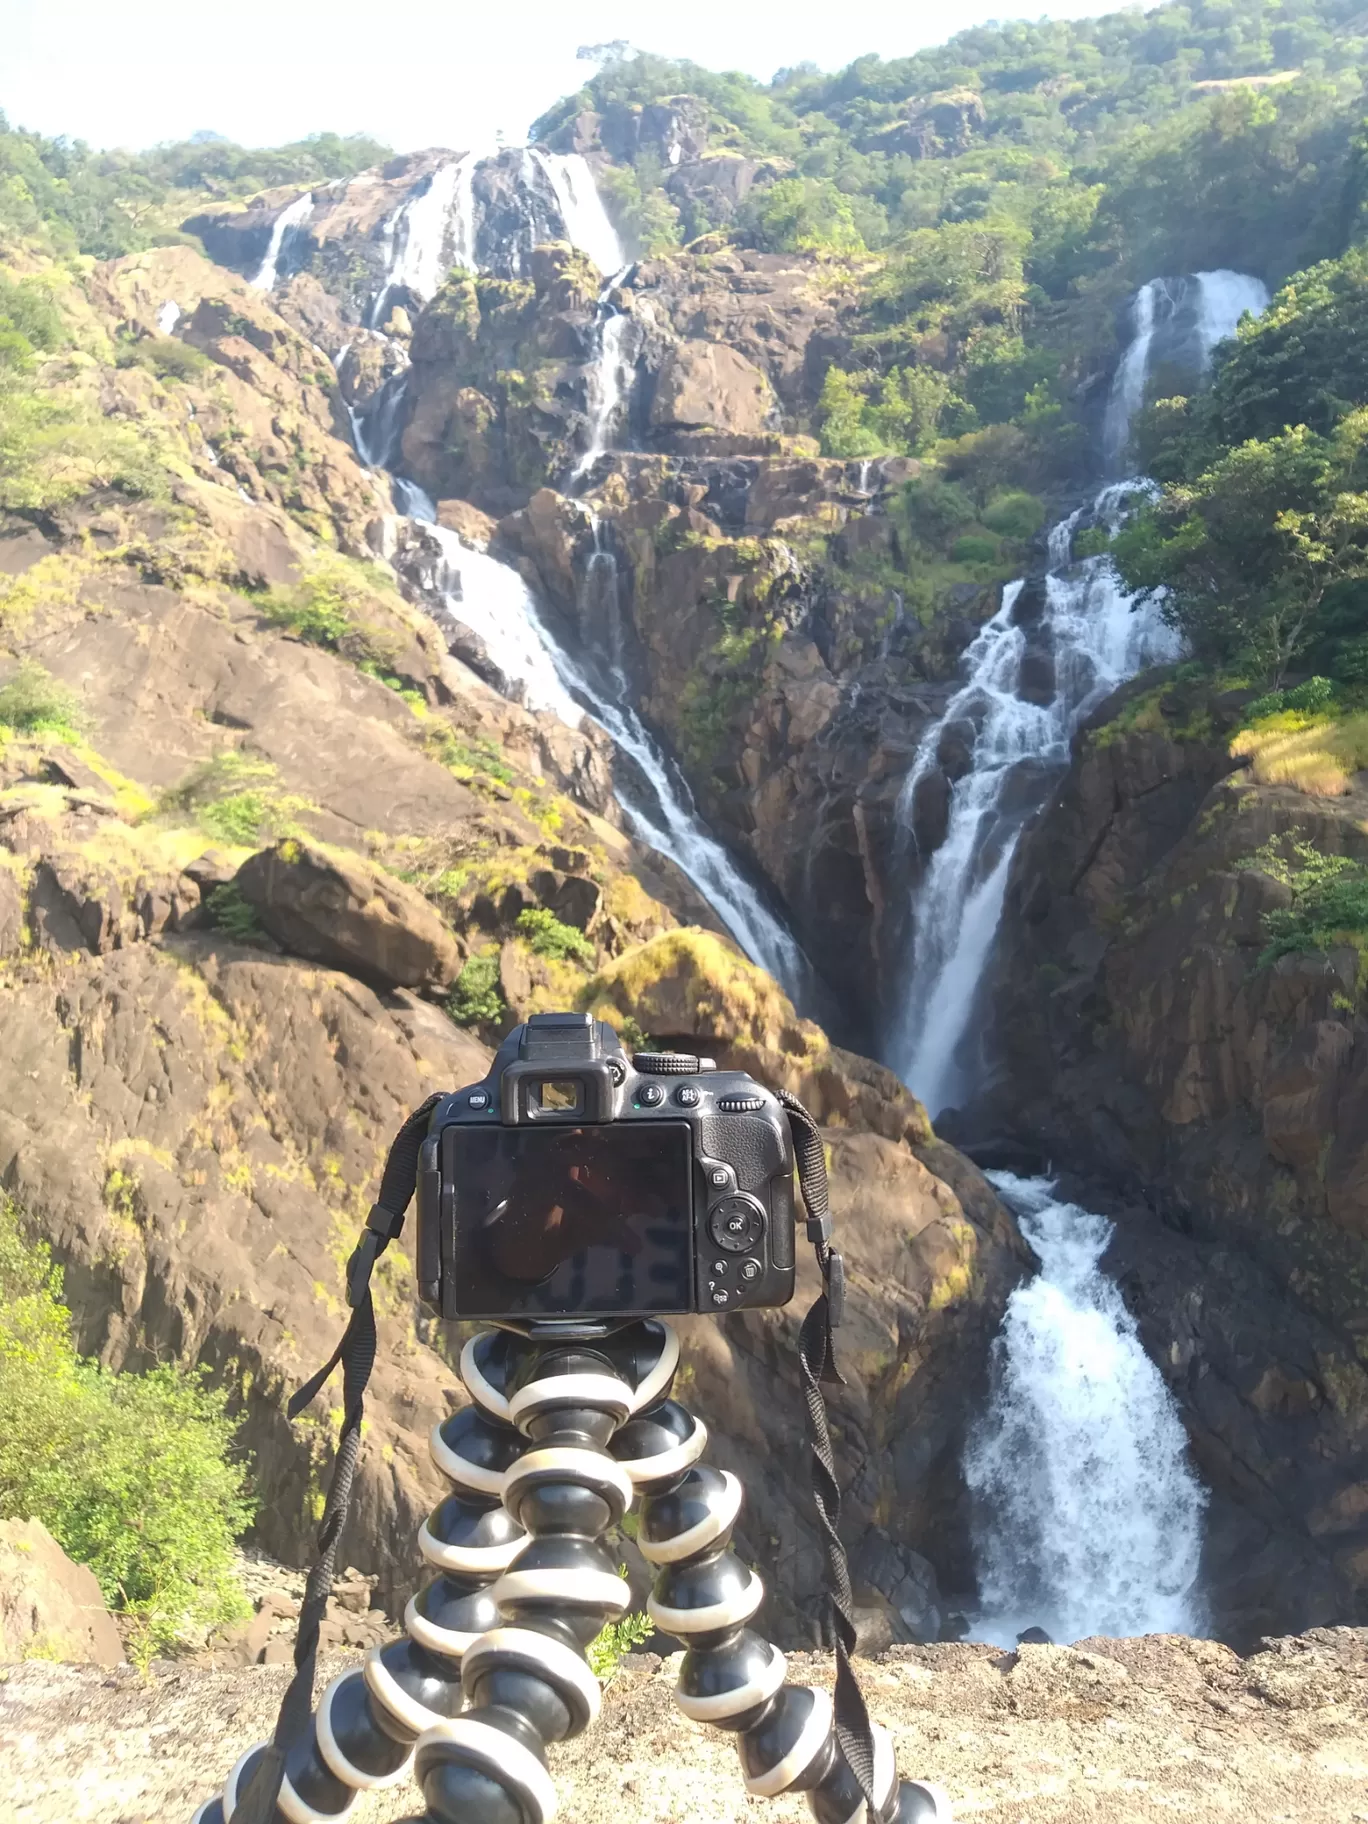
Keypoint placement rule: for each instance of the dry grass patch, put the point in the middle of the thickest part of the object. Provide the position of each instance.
(1318, 754)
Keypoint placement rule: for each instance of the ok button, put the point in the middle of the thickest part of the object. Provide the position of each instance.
(736, 1224)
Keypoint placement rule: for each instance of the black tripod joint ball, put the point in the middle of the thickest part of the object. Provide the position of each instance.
(564, 1432)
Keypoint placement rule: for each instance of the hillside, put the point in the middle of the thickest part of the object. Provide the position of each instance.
(696, 568)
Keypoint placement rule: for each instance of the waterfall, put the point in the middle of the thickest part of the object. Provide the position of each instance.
(1075, 626)
(493, 602)
(431, 231)
(581, 207)
(609, 380)
(657, 800)
(1088, 1517)
(290, 217)
(1224, 297)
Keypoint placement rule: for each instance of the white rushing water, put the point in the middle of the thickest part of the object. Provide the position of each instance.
(291, 217)
(1088, 1517)
(667, 818)
(581, 207)
(1092, 637)
(431, 231)
(494, 602)
(610, 382)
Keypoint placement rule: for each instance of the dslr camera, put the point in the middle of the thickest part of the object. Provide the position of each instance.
(577, 1184)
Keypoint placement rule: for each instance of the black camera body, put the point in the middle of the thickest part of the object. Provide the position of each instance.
(575, 1184)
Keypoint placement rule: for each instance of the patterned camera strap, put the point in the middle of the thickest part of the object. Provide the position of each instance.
(356, 1354)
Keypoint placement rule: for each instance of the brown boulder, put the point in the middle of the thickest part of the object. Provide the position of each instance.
(471, 525)
(336, 909)
(706, 386)
(50, 1608)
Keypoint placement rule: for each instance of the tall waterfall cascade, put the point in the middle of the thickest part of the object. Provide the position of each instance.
(431, 231)
(1088, 1517)
(581, 207)
(1092, 637)
(609, 380)
(435, 227)
(292, 216)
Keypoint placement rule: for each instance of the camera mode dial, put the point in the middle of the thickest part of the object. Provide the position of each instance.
(737, 1223)
(665, 1063)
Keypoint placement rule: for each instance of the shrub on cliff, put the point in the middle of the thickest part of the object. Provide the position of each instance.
(133, 1474)
(32, 703)
(1329, 897)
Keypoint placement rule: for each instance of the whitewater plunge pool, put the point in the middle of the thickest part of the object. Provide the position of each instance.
(1088, 1516)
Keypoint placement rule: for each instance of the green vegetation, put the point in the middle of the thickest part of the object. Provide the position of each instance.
(77, 200)
(32, 703)
(1250, 552)
(474, 759)
(547, 936)
(800, 214)
(133, 1474)
(165, 357)
(328, 608)
(232, 914)
(988, 203)
(234, 798)
(1329, 898)
(1259, 538)
(607, 1650)
(476, 998)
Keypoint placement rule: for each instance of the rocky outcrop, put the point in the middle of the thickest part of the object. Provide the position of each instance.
(706, 388)
(1141, 1034)
(498, 395)
(797, 706)
(194, 1111)
(1173, 1726)
(695, 992)
(260, 409)
(933, 126)
(336, 909)
(50, 1608)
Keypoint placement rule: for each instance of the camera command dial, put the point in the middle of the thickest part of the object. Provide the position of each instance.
(737, 1223)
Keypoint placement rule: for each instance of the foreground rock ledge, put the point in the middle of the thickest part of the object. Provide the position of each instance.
(1129, 1730)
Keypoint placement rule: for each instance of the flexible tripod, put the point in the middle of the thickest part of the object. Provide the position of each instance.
(566, 1424)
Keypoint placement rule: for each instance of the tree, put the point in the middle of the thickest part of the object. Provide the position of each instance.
(799, 215)
(1244, 555)
(1305, 361)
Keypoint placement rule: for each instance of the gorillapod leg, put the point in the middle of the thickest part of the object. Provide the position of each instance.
(546, 1459)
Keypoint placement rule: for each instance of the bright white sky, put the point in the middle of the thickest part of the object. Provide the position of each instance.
(415, 73)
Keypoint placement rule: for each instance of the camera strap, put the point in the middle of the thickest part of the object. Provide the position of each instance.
(356, 1354)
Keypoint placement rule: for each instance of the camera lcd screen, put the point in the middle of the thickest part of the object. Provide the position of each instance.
(566, 1221)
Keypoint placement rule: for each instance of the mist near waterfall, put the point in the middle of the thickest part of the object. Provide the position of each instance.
(1087, 1514)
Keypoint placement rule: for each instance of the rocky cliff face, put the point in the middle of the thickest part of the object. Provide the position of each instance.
(755, 601)
(1141, 1038)
(270, 820)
